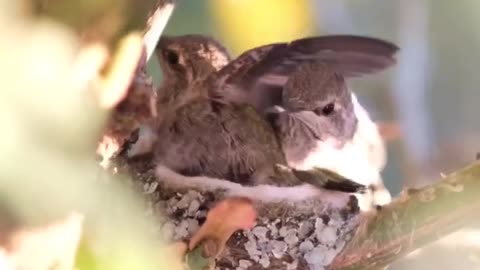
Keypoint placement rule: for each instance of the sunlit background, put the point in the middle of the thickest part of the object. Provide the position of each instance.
(432, 93)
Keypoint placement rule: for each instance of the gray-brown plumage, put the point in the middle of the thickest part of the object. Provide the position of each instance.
(322, 125)
(316, 106)
(201, 134)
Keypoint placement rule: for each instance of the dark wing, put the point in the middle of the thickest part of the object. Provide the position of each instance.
(330, 180)
(231, 84)
(351, 56)
(258, 75)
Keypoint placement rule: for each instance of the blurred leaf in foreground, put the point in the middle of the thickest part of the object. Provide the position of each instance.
(50, 125)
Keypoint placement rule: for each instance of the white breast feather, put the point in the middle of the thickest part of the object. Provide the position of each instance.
(361, 159)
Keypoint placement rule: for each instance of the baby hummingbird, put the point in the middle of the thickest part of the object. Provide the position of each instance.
(203, 55)
(321, 125)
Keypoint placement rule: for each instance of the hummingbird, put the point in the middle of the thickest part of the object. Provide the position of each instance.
(201, 133)
(212, 56)
(321, 124)
(205, 130)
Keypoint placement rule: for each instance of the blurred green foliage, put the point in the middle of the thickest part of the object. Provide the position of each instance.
(50, 126)
(104, 20)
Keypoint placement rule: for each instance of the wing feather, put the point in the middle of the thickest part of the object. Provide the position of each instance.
(258, 75)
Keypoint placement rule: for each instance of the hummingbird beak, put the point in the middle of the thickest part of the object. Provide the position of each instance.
(306, 119)
(298, 110)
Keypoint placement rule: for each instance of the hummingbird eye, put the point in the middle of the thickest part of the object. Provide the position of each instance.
(325, 110)
(172, 57)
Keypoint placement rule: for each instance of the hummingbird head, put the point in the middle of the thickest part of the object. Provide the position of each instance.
(190, 57)
(318, 100)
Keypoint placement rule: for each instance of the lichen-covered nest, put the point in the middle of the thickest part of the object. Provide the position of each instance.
(300, 234)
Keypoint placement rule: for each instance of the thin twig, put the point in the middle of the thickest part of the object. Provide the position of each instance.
(156, 24)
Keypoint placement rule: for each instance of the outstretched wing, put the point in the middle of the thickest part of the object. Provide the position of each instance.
(258, 75)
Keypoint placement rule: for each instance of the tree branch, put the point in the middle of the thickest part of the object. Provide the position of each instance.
(416, 218)
(132, 101)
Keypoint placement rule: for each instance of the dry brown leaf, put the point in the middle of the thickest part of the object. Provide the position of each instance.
(228, 216)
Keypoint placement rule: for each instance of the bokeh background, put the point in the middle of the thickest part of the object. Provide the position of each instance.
(432, 93)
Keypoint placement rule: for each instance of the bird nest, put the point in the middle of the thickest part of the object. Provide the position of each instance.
(288, 234)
